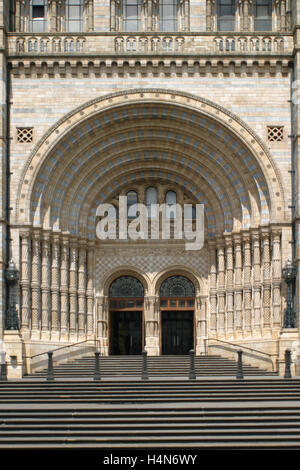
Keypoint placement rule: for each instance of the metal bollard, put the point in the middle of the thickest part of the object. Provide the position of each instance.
(287, 373)
(50, 373)
(239, 374)
(192, 375)
(144, 366)
(97, 375)
(3, 367)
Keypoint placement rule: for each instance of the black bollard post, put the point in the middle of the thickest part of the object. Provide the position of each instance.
(97, 367)
(287, 373)
(144, 366)
(239, 374)
(192, 375)
(3, 367)
(50, 373)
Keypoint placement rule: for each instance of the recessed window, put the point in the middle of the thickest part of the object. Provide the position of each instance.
(151, 200)
(171, 205)
(263, 15)
(132, 15)
(226, 15)
(74, 16)
(168, 15)
(132, 199)
(38, 11)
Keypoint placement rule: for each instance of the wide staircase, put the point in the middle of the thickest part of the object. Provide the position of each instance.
(161, 366)
(213, 412)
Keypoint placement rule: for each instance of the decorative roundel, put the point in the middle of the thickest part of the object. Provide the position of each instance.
(177, 286)
(126, 286)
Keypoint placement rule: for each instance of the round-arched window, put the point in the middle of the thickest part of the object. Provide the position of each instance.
(132, 199)
(126, 286)
(177, 286)
(171, 204)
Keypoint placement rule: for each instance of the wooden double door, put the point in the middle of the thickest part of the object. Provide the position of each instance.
(177, 332)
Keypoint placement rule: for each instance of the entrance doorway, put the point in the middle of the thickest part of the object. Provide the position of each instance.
(177, 303)
(126, 332)
(177, 332)
(126, 316)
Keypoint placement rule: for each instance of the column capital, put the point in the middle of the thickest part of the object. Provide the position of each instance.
(25, 232)
(276, 231)
(255, 234)
(56, 237)
(237, 238)
(228, 240)
(246, 236)
(265, 232)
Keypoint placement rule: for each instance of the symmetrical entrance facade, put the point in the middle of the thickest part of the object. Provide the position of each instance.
(178, 111)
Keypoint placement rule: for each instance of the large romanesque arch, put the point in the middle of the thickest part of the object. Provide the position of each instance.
(133, 138)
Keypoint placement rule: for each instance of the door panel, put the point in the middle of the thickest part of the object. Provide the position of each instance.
(177, 332)
(126, 332)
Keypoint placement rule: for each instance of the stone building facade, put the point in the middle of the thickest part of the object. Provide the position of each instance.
(197, 98)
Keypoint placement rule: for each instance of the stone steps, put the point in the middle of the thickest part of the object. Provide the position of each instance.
(161, 366)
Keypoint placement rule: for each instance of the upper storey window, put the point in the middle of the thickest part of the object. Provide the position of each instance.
(168, 15)
(132, 15)
(263, 15)
(226, 15)
(74, 15)
(38, 15)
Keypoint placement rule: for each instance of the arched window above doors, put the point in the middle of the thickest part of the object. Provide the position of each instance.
(132, 199)
(177, 286)
(126, 286)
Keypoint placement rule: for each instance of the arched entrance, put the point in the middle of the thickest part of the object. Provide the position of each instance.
(177, 304)
(126, 308)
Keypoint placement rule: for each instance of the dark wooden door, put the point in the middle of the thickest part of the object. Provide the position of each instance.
(126, 333)
(177, 332)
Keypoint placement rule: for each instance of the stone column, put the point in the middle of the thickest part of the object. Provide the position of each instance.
(221, 287)
(229, 284)
(246, 25)
(200, 318)
(113, 15)
(36, 285)
(45, 285)
(238, 289)
(151, 304)
(247, 282)
(256, 280)
(17, 16)
(283, 19)
(149, 17)
(266, 279)
(53, 16)
(73, 287)
(102, 324)
(55, 306)
(90, 289)
(82, 288)
(25, 279)
(276, 277)
(185, 14)
(210, 4)
(88, 4)
(213, 288)
(64, 288)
